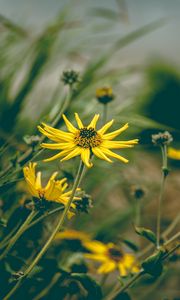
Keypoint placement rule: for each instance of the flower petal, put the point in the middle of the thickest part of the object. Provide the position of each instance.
(69, 125)
(72, 153)
(105, 127)
(107, 267)
(97, 257)
(60, 154)
(78, 120)
(113, 134)
(57, 146)
(112, 154)
(85, 156)
(115, 145)
(96, 247)
(97, 151)
(122, 269)
(54, 134)
(94, 121)
(38, 181)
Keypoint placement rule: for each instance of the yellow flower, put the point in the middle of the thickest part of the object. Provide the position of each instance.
(72, 235)
(104, 94)
(54, 189)
(111, 258)
(173, 153)
(85, 140)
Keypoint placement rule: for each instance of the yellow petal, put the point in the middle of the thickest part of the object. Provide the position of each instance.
(115, 145)
(173, 153)
(128, 260)
(112, 154)
(112, 135)
(58, 146)
(60, 154)
(54, 134)
(122, 269)
(79, 122)
(38, 181)
(72, 153)
(105, 127)
(93, 122)
(85, 156)
(107, 267)
(97, 257)
(96, 247)
(100, 154)
(69, 125)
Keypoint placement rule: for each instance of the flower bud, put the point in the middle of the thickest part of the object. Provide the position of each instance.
(162, 138)
(104, 95)
(70, 77)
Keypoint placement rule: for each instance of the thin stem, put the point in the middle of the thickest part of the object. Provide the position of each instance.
(44, 216)
(126, 286)
(48, 287)
(5, 241)
(105, 111)
(171, 226)
(172, 239)
(163, 178)
(51, 238)
(14, 239)
(138, 212)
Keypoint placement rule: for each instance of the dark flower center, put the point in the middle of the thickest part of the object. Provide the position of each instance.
(87, 138)
(115, 253)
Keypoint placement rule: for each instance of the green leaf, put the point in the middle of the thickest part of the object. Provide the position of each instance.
(91, 286)
(153, 264)
(130, 244)
(122, 296)
(146, 233)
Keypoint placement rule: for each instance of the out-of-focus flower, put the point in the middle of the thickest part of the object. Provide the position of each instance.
(72, 235)
(53, 191)
(162, 138)
(31, 140)
(70, 77)
(85, 204)
(137, 192)
(111, 258)
(104, 94)
(173, 153)
(85, 140)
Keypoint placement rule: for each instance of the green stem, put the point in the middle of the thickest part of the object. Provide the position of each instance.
(51, 238)
(48, 287)
(105, 111)
(6, 240)
(14, 239)
(163, 178)
(172, 239)
(116, 292)
(44, 216)
(138, 212)
(171, 226)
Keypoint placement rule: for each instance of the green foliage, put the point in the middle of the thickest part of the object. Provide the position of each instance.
(153, 264)
(146, 233)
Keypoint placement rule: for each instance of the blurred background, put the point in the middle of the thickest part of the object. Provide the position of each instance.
(131, 45)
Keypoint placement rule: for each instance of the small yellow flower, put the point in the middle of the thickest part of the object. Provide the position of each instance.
(111, 258)
(173, 153)
(104, 94)
(54, 189)
(72, 235)
(85, 141)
